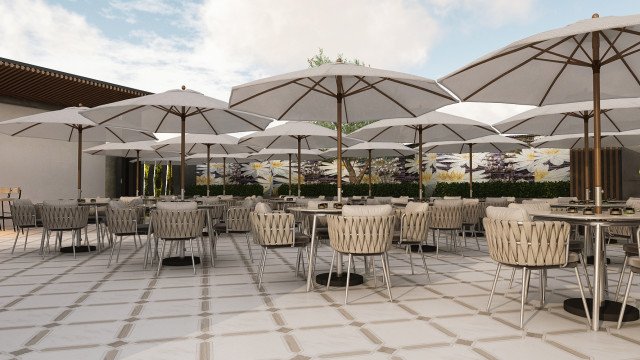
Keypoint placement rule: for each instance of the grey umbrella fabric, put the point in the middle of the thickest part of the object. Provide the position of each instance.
(177, 111)
(625, 139)
(340, 92)
(68, 125)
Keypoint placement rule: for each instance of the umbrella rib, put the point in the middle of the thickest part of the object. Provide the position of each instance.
(191, 148)
(328, 92)
(518, 124)
(618, 140)
(555, 79)
(514, 68)
(346, 92)
(567, 59)
(162, 120)
(70, 134)
(380, 133)
(624, 61)
(272, 142)
(163, 108)
(243, 119)
(558, 124)
(611, 46)
(25, 129)
(209, 123)
(579, 43)
(265, 91)
(575, 143)
(120, 114)
(625, 52)
(497, 56)
(605, 113)
(346, 112)
(422, 88)
(114, 134)
(388, 97)
(306, 140)
(362, 89)
(496, 146)
(301, 97)
(453, 131)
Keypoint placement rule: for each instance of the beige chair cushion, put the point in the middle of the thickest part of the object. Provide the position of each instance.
(504, 213)
(367, 210)
(127, 199)
(191, 205)
(566, 199)
(225, 197)
(60, 202)
(263, 208)
(531, 207)
(633, 202)
(470, 201)
(452, 197)
(400, 200)
(448, 202)
(509, 198)
(414, 206)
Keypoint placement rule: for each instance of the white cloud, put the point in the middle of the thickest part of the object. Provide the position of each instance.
(493, 13)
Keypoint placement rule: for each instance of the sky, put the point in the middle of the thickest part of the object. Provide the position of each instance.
(212, 45)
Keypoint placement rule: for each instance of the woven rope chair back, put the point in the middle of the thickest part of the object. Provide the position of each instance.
(445, 217)
(64, 217)
(415, 226)
(23, 213)
(238, 219)
(272, 229)
(178, 224)
(122, 220)
(361, 234)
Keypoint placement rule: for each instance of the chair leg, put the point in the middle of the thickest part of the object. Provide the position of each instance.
(119, 248)
(298, 262)
(86, 238)
(193, 259)
(525, 286)
(475, 235)
(164, 242)
(387, 273)
(249, 247)
(73, 244)
(264, 260)
(373, 269)
(346, 290)
(621, 278)
(424, 262)
(333, 258)
(111, 256)
(15, 242)
(410, 258)
(624, 301)
(437, 242)
(493, 288)
(147, 250)
(212, 248)
(584, 301)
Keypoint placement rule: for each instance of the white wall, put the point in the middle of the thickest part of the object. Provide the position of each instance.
(46, 169)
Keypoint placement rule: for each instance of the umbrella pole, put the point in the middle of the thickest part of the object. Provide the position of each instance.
(208, 164)
(137, 172)
(369, 172)
(182, 160)
(470, 170)
(586, 157)
(299, 164)
(339, 136)
(224, 176)
(289, 174)
(79, 180)
(597, 165)
(420, 162)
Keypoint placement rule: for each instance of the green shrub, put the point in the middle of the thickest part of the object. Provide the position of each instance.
(390, 189)
(232, 189)
(499, 188)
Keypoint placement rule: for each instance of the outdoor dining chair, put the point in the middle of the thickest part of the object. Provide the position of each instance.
(237, 221)
(446, 215)
(122, 220)
(25, 216)
(63, 216)
(470, 219)
(414, 229)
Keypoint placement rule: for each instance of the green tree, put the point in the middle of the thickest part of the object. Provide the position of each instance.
(347, 128)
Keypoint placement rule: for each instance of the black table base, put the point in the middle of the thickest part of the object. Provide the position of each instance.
(609, 311)
(79, 249)
(180, 261)
(425, 248)
(590, 260)
(340, 281)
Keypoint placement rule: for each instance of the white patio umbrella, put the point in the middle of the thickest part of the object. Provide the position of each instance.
(332, 91)
(490, 143)
(573, 118)
(68, 125)
(433, 126)
(197, 143)
(237, 157)
(592, 59)
(299, 135)
(129, 149)
(177, 111)
(625, 139)
(373, 149)
(268, 154)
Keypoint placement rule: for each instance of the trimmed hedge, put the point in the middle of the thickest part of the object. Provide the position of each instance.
(499, 188)
(232, 189)
(314, 190)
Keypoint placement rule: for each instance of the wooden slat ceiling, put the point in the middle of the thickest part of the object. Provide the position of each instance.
(33, 83)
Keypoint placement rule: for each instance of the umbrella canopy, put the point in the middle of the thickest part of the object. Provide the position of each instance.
(330, 92)
(300, 135)
(239, 158)
(490, 143)
(197, 143)
(591, 59)
(286, 154)
(432, 126)
(130, 149)
(179, 111)
(371, 149)
(68, 125)
(626, 139)
(162, 160)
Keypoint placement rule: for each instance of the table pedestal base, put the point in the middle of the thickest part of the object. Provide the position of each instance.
(590, 259)
(340, 281)
(609, 311)
(79, 249)
(180, 261)
(425, 248)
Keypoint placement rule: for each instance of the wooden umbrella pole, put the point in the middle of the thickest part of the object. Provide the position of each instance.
(420, 162)
(597, 164)
(208, 167)
(289, 173)
(470, 170)
(137, 172)
(369, 172)
(224, 176)
(299, 163)
(79, 179)
(183, 118)
(586, 158)
(339, 136)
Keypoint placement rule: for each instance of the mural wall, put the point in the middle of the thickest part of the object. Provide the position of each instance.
(526, 165)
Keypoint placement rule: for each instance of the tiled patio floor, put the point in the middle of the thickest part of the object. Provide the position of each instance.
(62, 308)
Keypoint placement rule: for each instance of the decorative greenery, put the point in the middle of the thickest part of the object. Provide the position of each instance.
(147, 188)
(168, 189)
(385, 189)
(232, 189)
(500, 188)
(157, 180)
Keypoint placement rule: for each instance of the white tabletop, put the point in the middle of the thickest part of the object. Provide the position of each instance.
(579, 216)
(316, 211)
